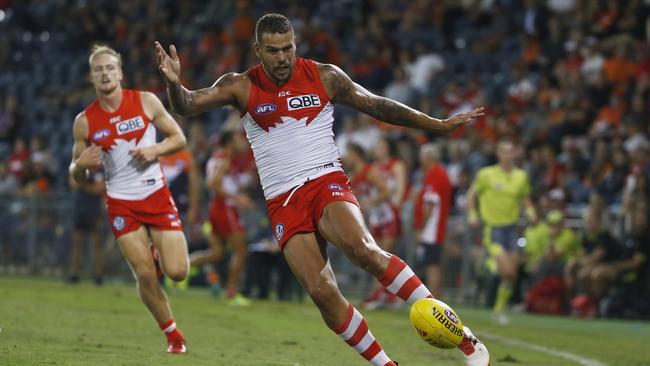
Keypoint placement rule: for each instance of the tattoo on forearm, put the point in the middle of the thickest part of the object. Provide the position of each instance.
(391, 111)
(387, 110)
(184, 101)
(178, 98)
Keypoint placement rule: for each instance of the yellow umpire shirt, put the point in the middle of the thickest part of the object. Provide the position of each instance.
(500, 194)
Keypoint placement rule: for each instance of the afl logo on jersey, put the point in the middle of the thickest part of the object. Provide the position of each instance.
(129, 125)
(101, 134)
(266, 108)
(303, 101)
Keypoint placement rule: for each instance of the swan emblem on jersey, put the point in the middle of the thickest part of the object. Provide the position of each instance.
(287, 122)
(121, 151)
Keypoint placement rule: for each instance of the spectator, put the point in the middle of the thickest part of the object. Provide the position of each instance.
(19, 160)
(549, 245)
(266, 265)
(10, 118)
(425, 66)
(41, 155)
(589, 274)
(592, 67)
(88, 215)
(432, 207)
(399, 89)
(9, 185)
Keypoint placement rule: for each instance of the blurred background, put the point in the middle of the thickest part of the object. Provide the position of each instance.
(568, 80)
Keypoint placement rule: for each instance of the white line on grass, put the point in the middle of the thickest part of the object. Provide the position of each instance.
(536, 347)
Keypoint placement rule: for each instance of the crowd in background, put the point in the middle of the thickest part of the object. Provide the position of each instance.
(568, 80)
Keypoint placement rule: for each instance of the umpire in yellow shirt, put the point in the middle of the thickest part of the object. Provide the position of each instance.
(502, 190)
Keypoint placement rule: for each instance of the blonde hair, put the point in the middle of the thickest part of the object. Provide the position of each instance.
(99, 49)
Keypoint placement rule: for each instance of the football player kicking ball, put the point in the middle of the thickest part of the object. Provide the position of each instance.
(286, 104)
(118, 130)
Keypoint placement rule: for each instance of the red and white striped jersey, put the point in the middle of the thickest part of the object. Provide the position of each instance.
(289, 128)
(118, 133)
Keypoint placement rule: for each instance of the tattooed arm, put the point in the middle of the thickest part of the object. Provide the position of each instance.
(230, 89)
(342, 89)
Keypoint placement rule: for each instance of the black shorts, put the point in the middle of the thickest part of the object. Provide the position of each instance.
(87, 220)
(429, 254)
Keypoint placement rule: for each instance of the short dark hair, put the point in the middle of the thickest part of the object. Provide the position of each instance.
(272, 23)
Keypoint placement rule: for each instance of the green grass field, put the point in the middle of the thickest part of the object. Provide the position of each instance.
(48, 323)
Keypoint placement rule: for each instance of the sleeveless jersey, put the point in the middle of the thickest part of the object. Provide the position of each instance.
(117, 134)
(289, 128)
(380, 214)
(436, 190)
(235, 178)
(388, 173)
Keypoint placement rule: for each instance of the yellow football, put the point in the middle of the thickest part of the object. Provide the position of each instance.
(436, 323)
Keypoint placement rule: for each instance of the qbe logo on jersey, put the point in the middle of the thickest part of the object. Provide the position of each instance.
(303, 101)
(130, 125)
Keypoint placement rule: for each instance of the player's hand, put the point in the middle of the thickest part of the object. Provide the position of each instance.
(90, 157)
(464, 118)
(145, 155)
(169, 67)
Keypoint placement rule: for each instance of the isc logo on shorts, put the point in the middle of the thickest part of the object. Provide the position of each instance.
(129, 125)
(303, 101)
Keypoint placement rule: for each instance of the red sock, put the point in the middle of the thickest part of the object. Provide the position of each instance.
(400, 280)
(170, 330)
(354, 331)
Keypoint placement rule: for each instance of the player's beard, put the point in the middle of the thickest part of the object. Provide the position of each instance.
(272, 70)
(107, 89)
(283, 74)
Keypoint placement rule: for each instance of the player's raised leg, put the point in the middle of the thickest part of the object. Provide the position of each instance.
(308, 261)
(342, 224)
(135, 248)
(172, 246)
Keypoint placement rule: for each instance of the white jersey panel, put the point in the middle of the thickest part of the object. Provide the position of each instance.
(126, 179)
(293, 152)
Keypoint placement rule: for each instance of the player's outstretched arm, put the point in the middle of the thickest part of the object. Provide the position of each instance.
(343, 90)
(84, 155)
(184, 102)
